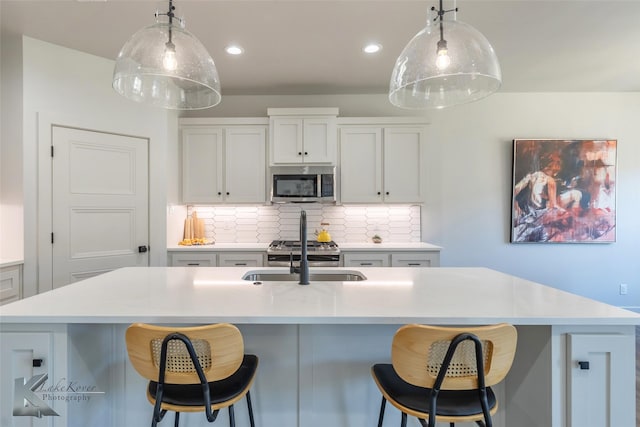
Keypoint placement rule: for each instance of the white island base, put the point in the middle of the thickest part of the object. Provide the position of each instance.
(316, 345)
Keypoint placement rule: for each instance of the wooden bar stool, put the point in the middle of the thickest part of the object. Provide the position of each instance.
(444, 374)
(192, 369)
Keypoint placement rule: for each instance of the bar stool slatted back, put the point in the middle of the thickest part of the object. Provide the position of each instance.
(192, 369)
(446, 371)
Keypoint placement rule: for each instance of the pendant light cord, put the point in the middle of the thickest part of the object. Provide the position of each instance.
(440, 16)
(170, 14)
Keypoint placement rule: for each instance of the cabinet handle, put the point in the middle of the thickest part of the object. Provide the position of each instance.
(379, 193)
(240, 263)
(36, 363)
(583, 365)
(387, 193)
(219, 193)
(227, 193)
(414, 263)
(193, 263)
(299, 153)
(306, 154)
(366, 263)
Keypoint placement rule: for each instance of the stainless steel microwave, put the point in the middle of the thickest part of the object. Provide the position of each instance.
(298, 184)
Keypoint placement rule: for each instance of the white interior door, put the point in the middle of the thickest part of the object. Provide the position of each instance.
(100, 207)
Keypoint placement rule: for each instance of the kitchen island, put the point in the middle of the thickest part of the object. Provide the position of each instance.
(316, 343)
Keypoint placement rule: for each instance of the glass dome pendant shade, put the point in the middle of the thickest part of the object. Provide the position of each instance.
(443, 65)
(166, 66)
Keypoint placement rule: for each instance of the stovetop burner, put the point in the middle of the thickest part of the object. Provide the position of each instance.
(295, 245)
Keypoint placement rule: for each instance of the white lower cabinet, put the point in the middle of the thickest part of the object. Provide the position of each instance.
(242, 259)
(32, 360)
(10, 283)
(217, 259)
(366, 259)
(415, 259)
(194, 259)
(598, 367)
(392, 259)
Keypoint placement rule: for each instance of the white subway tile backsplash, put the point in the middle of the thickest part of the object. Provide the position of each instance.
(355, 224)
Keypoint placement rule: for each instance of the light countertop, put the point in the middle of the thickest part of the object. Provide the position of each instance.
(227, 247)
(388, 296)
(364, 247)
(9, 262)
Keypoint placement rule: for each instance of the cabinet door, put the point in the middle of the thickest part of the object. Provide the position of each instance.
(355, 259)
(286, 140)
(245, 165)
(27, 355)
(361, 165)
(319, 140)
(194, 259)
(241, 259)
(202, 164)
(402, 165)
(415, 259)
(599, 392)
(10, 284)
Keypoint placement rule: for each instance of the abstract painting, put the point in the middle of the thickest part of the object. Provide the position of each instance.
(564, 191)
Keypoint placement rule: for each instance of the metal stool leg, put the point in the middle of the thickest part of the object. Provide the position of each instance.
(381, 416)
(403, 422)
(251, 421)
(232, 418)
(176, 419)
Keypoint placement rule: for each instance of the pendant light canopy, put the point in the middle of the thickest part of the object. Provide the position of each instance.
(445, 64)
(166, 66)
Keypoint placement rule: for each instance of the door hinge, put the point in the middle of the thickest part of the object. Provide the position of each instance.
(52, 151)
(52, 238)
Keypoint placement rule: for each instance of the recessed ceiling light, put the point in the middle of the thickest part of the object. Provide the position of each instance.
(234, 50)
(372, 48)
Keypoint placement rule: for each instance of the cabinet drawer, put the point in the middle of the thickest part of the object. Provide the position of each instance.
(366, 260)
(412, 259)
(241, 260)
(193, 259)
(10, 284)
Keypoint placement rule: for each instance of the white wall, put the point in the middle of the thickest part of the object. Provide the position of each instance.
(11, 212)
(476, 189)
(468, 208)
(74, 88)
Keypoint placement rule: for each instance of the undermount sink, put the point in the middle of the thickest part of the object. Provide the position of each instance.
(314, 276)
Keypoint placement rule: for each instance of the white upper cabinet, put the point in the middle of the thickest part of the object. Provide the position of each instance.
(381, 164)
(303, 136)
(202, 163)
(402, 172)
(224, 164)
(245, 165)
(361, 165)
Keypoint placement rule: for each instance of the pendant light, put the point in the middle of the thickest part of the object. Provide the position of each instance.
(166, 66)
(447, 63)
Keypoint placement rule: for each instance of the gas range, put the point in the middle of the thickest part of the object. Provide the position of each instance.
(319, 254)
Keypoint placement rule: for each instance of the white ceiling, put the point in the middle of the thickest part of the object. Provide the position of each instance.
(314, 46)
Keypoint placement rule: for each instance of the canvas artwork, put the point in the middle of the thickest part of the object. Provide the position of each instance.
(564, 191)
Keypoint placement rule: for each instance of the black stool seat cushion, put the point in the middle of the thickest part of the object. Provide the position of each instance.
(221, 391)
(449, 403)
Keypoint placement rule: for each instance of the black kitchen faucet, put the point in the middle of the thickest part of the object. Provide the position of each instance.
(303, 269)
